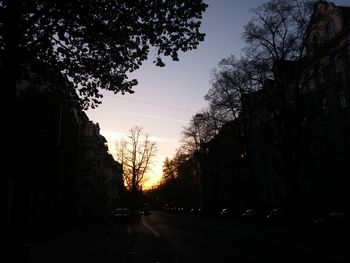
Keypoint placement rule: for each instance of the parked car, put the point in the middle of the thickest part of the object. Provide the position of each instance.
(278, 215)
(121, 215)
(229, 212)
(334, 216)
(146, 211)
(121, 212)
(225, 212)
(250, 214)
(334, 220)
(20, 249)
(287, 215)
(193, 211)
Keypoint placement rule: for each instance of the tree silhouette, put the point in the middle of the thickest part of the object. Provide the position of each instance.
(136, 154)
(95, 44)
(202, 127)
(92, 44)
(232, 82)
(179, 178)
(276, 38)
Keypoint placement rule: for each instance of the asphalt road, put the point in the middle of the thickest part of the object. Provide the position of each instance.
(96, 242)
(163, 237)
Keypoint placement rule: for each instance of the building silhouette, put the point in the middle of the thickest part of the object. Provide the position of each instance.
(64, 172)
(298, 149)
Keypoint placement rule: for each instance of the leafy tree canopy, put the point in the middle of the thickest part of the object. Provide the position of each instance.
(95, 44)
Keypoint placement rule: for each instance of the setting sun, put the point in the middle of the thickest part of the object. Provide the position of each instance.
(164, 149)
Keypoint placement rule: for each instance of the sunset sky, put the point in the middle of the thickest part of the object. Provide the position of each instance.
(166, 98)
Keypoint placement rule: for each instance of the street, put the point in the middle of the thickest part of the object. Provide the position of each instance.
(89, 243)
(164, 237)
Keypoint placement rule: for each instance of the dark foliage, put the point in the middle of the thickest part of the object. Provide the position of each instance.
(95, 44)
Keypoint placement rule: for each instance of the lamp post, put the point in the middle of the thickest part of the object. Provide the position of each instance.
(200, 176)
(198, 118)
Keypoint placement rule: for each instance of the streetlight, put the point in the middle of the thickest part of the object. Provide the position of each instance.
(197, 119)
(200, 176)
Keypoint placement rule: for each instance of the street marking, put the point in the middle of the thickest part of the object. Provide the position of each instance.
(278, 242)
(150, 228)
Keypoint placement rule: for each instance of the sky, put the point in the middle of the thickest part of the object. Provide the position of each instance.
(166, 98)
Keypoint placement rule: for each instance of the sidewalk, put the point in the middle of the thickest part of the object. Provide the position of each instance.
(93, 242)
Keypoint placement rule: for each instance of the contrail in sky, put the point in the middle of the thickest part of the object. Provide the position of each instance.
(151, 116)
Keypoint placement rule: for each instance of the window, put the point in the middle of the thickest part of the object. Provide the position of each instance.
(312, 84)
(320, 76)
(327, 145)
(338, 64)
(328, 70)
(324, 106)
(88, 155)
(346, 137)
(330, 31)
(315, 41)
(312, 80)
(86, 182)
(342, 99)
